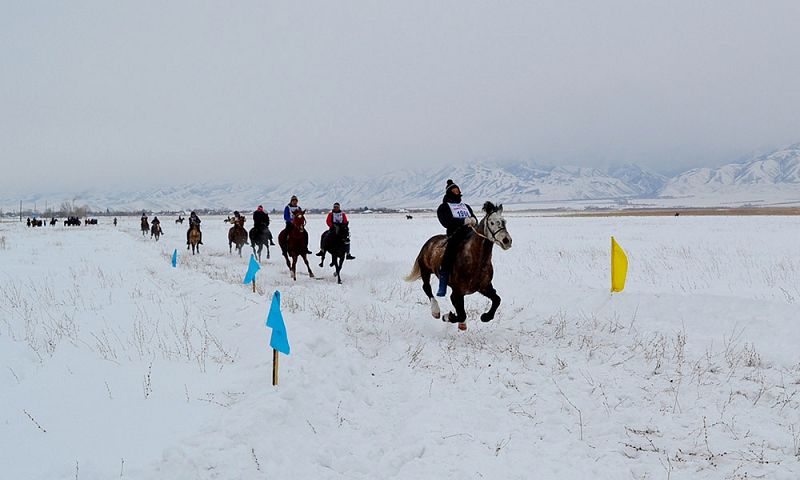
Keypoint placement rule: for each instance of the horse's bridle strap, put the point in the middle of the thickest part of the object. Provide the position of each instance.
(494, 234)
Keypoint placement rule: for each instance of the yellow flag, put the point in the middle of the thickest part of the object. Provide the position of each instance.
(619, 267)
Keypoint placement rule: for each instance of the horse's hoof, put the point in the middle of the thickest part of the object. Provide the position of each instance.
(436, 315)
(486, 317)
(462, 326)
(320, 265)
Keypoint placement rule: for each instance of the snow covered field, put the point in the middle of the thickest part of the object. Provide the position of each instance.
(115, 365)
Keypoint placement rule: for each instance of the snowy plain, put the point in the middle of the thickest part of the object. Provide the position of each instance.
(115, 365)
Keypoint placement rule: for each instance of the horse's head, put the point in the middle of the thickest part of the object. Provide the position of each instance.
(299, 220)
(494, 225)
(341, 230)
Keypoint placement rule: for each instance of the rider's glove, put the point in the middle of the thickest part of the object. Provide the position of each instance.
(470, 222)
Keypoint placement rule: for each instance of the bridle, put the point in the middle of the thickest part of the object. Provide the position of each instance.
(492, 233)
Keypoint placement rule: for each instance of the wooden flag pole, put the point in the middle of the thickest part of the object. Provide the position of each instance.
(254, 284)
(274, 367)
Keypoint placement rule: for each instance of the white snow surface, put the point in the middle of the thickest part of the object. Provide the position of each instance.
(115, 365)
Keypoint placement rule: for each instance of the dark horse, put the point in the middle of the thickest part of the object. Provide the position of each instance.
(237, 235)
(179, 219)
(261, 239)
(155, 231)
(293, 242)
(145, 226)
(472, 271)
(334, 242)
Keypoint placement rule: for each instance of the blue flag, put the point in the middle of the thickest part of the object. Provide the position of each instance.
(251, 270)
(175, 258)
(279, 341)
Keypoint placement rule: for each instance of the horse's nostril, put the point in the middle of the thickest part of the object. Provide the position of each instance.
(506, 241)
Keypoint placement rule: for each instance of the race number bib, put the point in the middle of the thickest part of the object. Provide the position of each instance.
(338, 217)
(459, 210)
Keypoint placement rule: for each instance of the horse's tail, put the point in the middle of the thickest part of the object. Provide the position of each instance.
(415, 274)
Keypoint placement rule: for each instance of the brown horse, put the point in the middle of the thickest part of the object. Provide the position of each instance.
(237, 235)
(155, 231)
(145, 226)
(194, 238)
(294, 243)
(472, 270)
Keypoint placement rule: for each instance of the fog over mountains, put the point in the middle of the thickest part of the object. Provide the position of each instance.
(770, 179)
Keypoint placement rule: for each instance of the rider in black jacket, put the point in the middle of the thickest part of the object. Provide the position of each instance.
(194, 220)
(457, 217)
(261, 222)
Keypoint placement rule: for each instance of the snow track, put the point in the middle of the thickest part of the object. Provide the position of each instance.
(115, 365)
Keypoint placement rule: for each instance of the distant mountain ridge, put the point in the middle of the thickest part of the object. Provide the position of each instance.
(774, 176)
(778, 169)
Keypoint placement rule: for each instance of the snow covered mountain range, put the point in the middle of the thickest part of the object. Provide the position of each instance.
(771, 179)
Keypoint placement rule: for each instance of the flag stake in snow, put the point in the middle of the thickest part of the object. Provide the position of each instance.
(619, 267)
(274, 367)
(278, 341)
(252, 268)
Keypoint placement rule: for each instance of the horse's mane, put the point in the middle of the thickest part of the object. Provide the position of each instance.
(490, 208)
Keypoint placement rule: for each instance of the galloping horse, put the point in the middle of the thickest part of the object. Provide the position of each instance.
(334, 243)
(179, 219)
(293, 242)
(145, 226)
(261, 239)
(472, 271)
(194, 238)
(155, 231)
(237, 235)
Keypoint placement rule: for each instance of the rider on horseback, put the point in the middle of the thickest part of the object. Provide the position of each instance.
(261, 222)
(238, 219)
(457, 217)
(194, 220)
(335, 216)
(155, 221)
(288, 215)
(144, 217)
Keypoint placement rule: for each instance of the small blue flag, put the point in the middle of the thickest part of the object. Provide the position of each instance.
(175, 258)
(279, 340)
(252, 268)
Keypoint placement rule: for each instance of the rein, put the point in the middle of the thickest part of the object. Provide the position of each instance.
(494, 234)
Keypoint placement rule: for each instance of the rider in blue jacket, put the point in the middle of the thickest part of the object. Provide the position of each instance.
(288, 216)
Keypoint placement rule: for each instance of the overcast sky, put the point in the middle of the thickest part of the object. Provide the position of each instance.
(179, 91)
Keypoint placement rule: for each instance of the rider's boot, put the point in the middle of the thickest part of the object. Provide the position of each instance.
(443, 278)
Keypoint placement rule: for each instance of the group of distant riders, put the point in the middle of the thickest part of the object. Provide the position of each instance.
(455, 216)
(261, 223)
